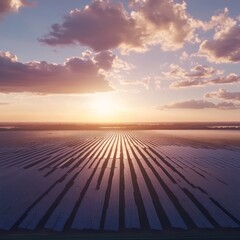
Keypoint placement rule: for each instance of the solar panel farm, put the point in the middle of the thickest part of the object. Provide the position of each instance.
(116, 181)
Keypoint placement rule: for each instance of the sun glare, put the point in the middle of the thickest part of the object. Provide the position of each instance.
(104, 107)
(16, 4)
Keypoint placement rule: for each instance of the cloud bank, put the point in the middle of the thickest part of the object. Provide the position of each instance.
(201, 104)
(224, 94)
(75, 75)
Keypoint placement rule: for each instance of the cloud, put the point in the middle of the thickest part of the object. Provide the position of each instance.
(224, 94)
(101, 25)
(166, 23)
(104, 25)
(225, 45)
(119, 64)
(200, 104)
(221, 23)
(3, 103)
(105, 60)
(231, 78)
(223, 50)
(198, 71)
(144, 82)
(198, 76)
(11, 6)
(227, 106)
(184, 56)
(75, 75)
(191, 104)
(147, 82)
(187, 83)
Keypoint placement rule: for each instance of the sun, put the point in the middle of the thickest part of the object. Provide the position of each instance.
(104, 107)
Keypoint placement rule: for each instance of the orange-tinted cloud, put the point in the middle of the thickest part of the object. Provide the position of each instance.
(224, 94)
(225, 45)
(104, 25)
(229, 79)
(198, 76)
(201, 104)
(105, 60)
(198, 71)
(11, 6)
(223, 50)
(166, 23)
(101, 25)
(144, 83)
(75, 75)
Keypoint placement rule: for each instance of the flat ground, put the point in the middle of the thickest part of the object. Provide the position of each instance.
(120, 184)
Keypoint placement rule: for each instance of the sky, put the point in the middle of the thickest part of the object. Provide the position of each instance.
(119, 60)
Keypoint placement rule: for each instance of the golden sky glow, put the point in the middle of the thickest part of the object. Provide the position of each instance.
(119, 61)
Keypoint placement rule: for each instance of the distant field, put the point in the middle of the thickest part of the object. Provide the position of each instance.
(120, 126)
(119, 181)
